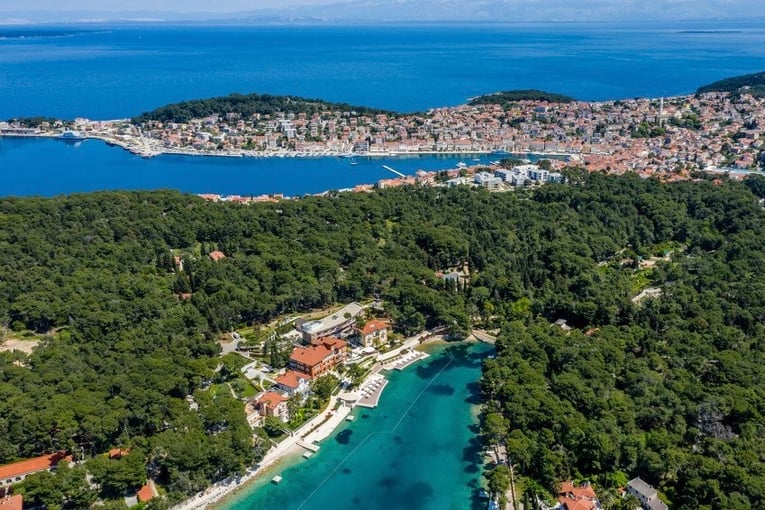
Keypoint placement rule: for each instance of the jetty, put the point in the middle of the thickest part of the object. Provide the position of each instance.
(371, 391)
(308, 446)
(409, 359)
(393, 170)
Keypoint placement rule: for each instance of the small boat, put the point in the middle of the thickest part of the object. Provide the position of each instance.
(353, 162)
(276, 480)
(461, 164)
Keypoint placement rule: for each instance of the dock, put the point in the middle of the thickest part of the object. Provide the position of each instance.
(409, 359)
(313, 448)
(371, 391)
(393, 170)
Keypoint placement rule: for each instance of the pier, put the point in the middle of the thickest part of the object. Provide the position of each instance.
(393, 170)
(308, 446)
(409, 359)
(371, 391)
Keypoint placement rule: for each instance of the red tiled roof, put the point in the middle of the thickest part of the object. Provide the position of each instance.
(577, 498)
(118, 453)
(374, 325)
(217, 255)
(314, 354)
(15, 502)
(310, 356)
(290, 379)
(145, 493)
(35, 465)
(329, 342)
(271, 399)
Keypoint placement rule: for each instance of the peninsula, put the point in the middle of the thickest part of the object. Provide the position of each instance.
(718, 129)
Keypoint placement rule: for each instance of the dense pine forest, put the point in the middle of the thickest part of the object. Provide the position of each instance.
(754, 83)
(660, 374)
(247, 105)
(509, 98)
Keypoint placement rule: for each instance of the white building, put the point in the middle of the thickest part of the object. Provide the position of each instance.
(647, 495)
(487, 180)
(339, 324)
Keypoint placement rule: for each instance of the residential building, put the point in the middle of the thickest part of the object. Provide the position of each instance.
(324, 355)
(273, 404)
(16, 472)
(217, 255)
(374, 332)
(487, 180)
(339, 324)
(538, 174)
(571, 497)
(146, 493)
(646, 494)
(293, 383)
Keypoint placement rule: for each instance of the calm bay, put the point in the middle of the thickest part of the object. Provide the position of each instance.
(48, 167)
(417, 450)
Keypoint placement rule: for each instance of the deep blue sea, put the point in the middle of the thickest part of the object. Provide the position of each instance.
(107, 72)
(114, 72)
(417, 450)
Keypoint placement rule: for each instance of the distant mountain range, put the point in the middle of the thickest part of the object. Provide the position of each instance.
(424, 11)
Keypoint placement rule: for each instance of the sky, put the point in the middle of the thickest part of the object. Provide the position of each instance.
(539, 10)
(220, 6)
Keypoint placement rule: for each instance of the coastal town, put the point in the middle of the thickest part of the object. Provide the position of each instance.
(664, 137)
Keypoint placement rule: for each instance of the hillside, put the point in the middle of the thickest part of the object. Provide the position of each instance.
(752, 83)
(513, 96)
(248, 105)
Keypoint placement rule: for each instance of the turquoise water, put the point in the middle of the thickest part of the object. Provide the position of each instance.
(417, 450)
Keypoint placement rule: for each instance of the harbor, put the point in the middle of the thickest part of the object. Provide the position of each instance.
(91, 165)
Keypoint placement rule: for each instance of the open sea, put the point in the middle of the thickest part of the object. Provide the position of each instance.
(118, 71)
(417, 450)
